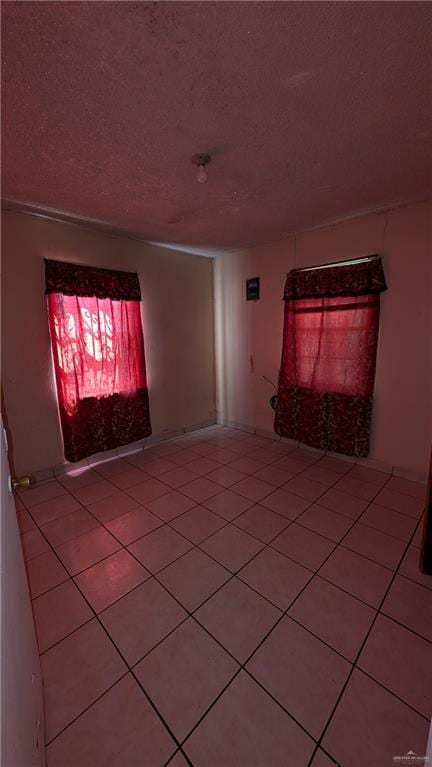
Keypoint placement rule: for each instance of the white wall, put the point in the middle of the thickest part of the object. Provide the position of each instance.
(249, 334)
(22, 720)
(177, 309)
(178, 328)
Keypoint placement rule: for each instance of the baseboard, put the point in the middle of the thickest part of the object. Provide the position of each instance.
(156, 439)
(239, 426)
(387, 468)
(414, 476)
(63, 469)
(267, 434)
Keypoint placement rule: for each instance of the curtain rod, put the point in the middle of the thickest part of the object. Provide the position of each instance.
(337, 263)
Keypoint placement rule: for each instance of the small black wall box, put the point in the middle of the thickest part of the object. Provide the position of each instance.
(253, 289)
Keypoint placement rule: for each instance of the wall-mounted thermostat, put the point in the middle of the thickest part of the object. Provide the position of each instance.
(253, 289)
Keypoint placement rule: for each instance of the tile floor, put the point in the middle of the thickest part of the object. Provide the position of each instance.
(226, 600)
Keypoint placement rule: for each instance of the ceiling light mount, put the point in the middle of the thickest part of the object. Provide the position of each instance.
(201, 160)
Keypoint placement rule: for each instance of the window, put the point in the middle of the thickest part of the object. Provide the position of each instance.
(98, 352)
(332, 341)
(328, 355)
(98, 346)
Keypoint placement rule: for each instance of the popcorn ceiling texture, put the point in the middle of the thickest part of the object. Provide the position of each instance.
(310, 111)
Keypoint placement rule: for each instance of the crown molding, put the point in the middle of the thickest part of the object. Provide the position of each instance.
(208, 251)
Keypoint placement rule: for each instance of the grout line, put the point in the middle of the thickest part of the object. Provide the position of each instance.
(232, 521)
(186, 618)
(243, 665)
(63, 516)
(234, 658)
(354, 665)
(96, 615)
(357, 520)
(125, 546)
(391, 692)
(194, 545)
(233, 575)
(182, 753)
(350, 661)
(411, 580)
(48, 742)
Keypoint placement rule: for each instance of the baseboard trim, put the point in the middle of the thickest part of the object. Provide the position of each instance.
(386, 468)
(64, 469)
(414, 476)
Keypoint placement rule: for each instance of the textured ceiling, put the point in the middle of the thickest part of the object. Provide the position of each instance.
(310, 111)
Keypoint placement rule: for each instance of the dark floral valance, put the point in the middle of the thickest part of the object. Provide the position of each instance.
(77, 280)
(355, 279)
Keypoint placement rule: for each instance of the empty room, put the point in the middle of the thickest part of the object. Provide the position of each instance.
(216, 504)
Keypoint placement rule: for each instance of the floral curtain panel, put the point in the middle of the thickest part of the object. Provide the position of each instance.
(327, 373)
(98, 351)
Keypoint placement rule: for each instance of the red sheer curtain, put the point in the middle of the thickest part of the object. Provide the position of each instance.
(98, 353)
(329, 349)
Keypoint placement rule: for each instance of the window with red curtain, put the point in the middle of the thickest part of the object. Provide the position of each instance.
(327, 373)
(98, 351)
